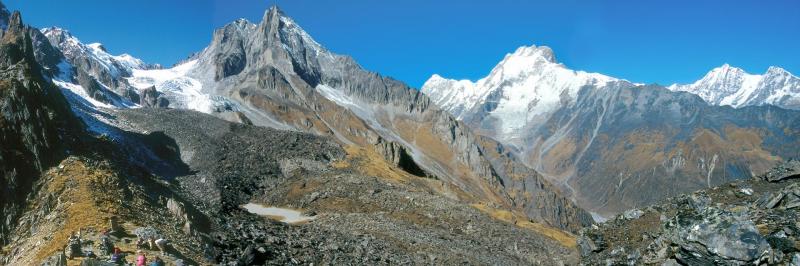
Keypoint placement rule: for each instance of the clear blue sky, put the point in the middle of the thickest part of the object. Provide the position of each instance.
(643, 41)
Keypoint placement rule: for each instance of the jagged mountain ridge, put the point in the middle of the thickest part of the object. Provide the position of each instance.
(89, 71)
(613, 142)
(724, 85)
(732, 86)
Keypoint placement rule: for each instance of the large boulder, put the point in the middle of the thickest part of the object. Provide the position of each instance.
(788, 169)
(715, 235)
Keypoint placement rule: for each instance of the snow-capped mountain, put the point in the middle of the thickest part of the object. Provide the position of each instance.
(615, 144)
(732, 86)
(74, 49)
(521, 90)
(94, 55)
(89, 71)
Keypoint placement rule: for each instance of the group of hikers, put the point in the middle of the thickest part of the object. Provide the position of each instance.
(114, 254)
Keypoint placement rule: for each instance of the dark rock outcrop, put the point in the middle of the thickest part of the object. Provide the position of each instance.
(398, 156)
(47, 56)
(786, 170)
(748, 222)
(245, 159)
(230, 58)
(150, 97)
(35, 122)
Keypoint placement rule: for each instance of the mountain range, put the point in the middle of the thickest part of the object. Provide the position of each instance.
(509, 169)
(732, 86)
(613, 144)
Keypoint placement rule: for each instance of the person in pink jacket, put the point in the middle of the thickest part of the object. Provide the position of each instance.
(141, 260)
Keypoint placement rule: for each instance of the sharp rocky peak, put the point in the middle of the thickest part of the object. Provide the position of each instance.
(16, 42)
(15, 21)
(275, 28)
(272, 12)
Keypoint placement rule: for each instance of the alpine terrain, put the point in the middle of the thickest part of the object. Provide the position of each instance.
(263, 148)
(616, 145)
(266, 148)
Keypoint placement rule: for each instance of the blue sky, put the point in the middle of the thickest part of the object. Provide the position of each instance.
(643, 41)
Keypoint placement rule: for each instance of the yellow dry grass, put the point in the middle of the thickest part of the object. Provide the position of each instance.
(747, 142)
(88, 206)
(421, 134)
(563, 238)
(367, 161)
(559, 158)
(640, 151)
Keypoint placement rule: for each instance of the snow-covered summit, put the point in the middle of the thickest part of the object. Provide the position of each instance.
(75, 50)
(526, 84)
(732, 86)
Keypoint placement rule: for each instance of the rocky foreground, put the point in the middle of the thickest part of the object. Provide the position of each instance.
(748, 222)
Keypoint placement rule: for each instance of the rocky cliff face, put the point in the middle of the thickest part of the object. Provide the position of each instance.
(35, 122)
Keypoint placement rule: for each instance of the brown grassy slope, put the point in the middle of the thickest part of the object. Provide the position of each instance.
(369, 163)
